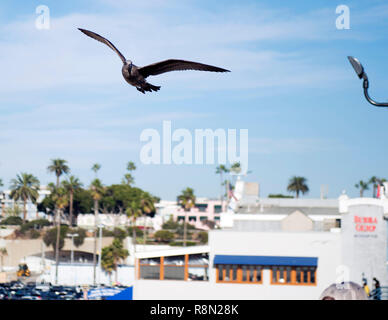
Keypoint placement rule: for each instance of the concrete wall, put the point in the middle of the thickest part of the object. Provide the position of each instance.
(297, 221)
(326, 246)
(364, 241)
(18, 250)
(82, 274)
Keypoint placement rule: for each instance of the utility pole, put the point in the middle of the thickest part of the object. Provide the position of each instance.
(57, 246)
(100, 226)
(95, 240)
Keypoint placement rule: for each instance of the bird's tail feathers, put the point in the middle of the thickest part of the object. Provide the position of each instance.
(148, 87)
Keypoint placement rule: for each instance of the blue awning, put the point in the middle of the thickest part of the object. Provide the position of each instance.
(267, 260)
(126, 294)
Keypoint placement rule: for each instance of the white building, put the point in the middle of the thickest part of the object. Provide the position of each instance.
(32, 211)
(274, 249)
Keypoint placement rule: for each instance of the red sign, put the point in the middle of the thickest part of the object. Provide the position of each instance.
(365, 224)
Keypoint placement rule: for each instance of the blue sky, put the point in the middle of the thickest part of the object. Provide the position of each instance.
(62, 94)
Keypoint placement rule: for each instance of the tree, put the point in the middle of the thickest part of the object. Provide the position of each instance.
(363, 186)
(97, 191)
(148, 209)
(187, 201)
(235, 168)
(25, 187)
(50, 237)
(221, 169)
(297, 185)
(374, 182)
(107, 262)
(133, 212)
(128, 178)
(71, 185)
(1, 183)
(112, 255)
(59, 167)
(61, 201)
(96, 167)
(78, 240)
(82, 203)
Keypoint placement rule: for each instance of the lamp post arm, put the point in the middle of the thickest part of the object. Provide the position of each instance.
(366, 86)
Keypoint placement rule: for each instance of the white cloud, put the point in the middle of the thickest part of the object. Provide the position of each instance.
(65, 58)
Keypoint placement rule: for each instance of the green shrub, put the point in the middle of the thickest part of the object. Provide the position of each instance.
(180, 243)
(12, 221)
(139, 232)
(119, 233)
(78, 240)
(203, 237)
(33, 234)
(163, 236)
(34, 224)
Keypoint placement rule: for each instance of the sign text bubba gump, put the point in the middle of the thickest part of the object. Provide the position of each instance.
(365, 224)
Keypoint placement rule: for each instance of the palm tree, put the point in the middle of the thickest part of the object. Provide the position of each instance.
(363, 186)
(221, 169)
(131, 166)
(97, 191)
(113, 255)
(133, 212)
(1, 183)
(128, 178)
(25, 187)
(187, 201)
(107, 261)
(60, 198)
(147, 207)
(374, 181)
(297, 185)
(96, 167)
(71, 185)
(235, 168)
(59, 167)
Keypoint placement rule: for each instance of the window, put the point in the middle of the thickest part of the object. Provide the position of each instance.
(217, 209)
(293, 275)
(150, 268)
(198, 267)
(174, 268)
(202, 207)
(238, 273)
(182, 267)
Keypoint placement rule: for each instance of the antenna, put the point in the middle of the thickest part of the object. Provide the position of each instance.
(324, 191)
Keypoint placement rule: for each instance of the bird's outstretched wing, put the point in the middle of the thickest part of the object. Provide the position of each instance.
(103, 40)
(176, 65)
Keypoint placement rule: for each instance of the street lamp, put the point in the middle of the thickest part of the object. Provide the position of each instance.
(100, 226)
(72, 235)
(359, 69)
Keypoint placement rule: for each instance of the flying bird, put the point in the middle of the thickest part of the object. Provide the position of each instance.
(136, 76)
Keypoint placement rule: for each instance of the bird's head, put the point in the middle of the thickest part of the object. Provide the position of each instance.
(128, 62)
